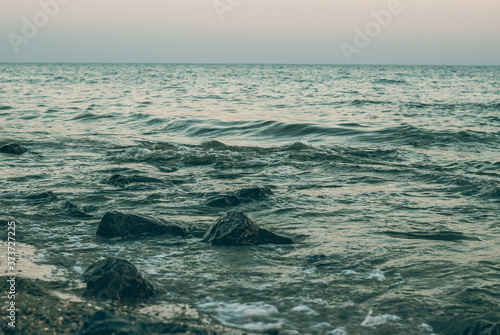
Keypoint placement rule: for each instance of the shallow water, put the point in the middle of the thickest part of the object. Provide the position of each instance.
(388, 179)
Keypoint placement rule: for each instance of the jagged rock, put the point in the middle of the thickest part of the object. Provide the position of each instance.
(240, 196)
(116, 279)
(14, 149)
(121, 180)
(42, 195)
(76, 209)
(483, 328)
(236, 228)
(255, 193)
(120, 224)
(105, 322)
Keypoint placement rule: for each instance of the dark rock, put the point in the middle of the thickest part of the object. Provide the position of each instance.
(13, 148)
(255, 193)
(116, 279)
(105, 323)
(121, 180)
(224, 200)
(236, 228)
(76, 209)
(119, 224)
(240, 196)
(5, 222)
(483, 328)
(42, 195)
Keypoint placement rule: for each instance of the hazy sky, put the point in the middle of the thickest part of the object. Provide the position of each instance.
(251, 31)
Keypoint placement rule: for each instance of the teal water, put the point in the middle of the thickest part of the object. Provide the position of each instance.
(387, 177)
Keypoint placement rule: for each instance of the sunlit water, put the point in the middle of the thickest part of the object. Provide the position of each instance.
(388, 179)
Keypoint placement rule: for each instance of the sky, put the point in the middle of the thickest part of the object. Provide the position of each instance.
(434, 32)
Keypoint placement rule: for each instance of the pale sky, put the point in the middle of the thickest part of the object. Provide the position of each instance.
(454, 32)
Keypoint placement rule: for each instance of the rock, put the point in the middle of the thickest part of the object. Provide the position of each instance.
(105, 322)
(255, 193)
(42, 195)
(5, 222)
(483, 328)
(224, 200)
(120, 224)
(76, 209)
(13, 149)
(120, 180)
(240, 196)
(236, 228)
(116, 279)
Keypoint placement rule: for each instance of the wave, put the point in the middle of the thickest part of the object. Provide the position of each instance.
(421, 137)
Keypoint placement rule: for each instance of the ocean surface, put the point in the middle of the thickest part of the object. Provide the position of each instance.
(386, 177)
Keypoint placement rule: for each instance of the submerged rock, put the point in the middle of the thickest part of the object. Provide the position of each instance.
(41, 195)
(5, 222)
(13, 149)
(255, 193)
(76, 209)
(236, 228)
(105, 322)
(224, 200)
(116, 279)
(483, 328)
(121, 180)
(240, 196)
(120, 224)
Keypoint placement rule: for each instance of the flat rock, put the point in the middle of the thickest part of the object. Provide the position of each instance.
(483, 328)
(120, 224)
(13, 149)
(236, 228)
(41, 195)
(116, 279)
(121, 180)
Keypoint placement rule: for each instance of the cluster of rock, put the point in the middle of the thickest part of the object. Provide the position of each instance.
(117, 279)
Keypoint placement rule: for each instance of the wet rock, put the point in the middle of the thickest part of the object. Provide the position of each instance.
(120, 224)
(105, 322)
(41, 195)
(255, 193)
(116, 279)
(76, 209)
(13, 149)
(5, 222)
(121, 180)
(236, 228)
(224, 200)
(240, 196)
(483, 328)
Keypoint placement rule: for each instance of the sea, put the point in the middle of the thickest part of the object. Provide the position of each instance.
(386, 177)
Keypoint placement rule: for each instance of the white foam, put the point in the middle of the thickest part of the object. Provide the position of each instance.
(257, 316)
(25, 266)
(303, 309)
(377, 274)
(338, 331)
(371, 321)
